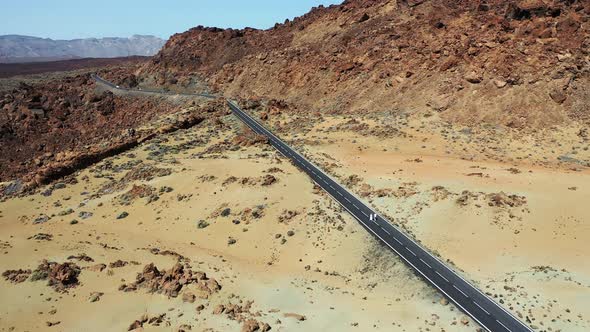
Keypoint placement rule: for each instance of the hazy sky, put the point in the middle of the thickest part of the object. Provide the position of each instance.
(68, 19)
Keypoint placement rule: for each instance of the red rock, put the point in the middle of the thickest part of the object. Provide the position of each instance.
(268, 180)
(219, 309)
(172, 282)
(473, 77)
(135, 325)
(117, 264)
(59, 276)
(558, 96)
(16, 276)
(250, 325)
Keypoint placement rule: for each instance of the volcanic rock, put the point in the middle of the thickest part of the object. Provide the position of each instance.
(16, 276)
(59, 276)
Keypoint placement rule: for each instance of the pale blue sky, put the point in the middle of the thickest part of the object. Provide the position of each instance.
(68, 19)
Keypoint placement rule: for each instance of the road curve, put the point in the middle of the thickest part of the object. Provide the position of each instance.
(489, 314)
(148, 92)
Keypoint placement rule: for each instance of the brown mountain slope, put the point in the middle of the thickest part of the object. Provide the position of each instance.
(523, 64)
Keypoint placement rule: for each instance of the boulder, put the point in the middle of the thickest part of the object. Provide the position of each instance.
(95, 297)
(557, 95)
(268, 180)
(465, 320)
(219, 309)
(500, 83)
(97, 267)
(250, 325)
(526, 9)
(59, 276)
(189, 297)
(364, 17)
(473, 77)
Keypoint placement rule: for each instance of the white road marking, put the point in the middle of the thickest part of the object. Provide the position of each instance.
(339, 193)
(460, 291)
(366, 215)
(504, 326)
(385, 231)
(425, 263)
(355, 206)
(332, 187)
(398, 241)
(440, 275)
(410, 250)
(484, 310)
(346, 198)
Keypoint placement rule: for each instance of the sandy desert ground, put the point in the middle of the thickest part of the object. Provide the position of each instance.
(243, 215)
(281, 251)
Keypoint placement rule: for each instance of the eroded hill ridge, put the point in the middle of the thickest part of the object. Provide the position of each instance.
(521, 64)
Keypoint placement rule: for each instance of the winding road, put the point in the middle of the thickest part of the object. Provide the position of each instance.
(486, 312)
(147, 92)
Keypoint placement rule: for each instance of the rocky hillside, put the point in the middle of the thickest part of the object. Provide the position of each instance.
(521, 64)
(14, 48)
(51, 129)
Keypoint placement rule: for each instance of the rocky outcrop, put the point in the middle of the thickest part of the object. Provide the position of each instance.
(59, 276)
(172, 281)
(16, 276)
(242, 314)
(53, 130)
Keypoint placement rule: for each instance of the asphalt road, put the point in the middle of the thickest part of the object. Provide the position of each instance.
(148, 92)
(489, 314)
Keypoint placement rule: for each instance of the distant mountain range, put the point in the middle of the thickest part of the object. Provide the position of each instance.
(16, 48)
